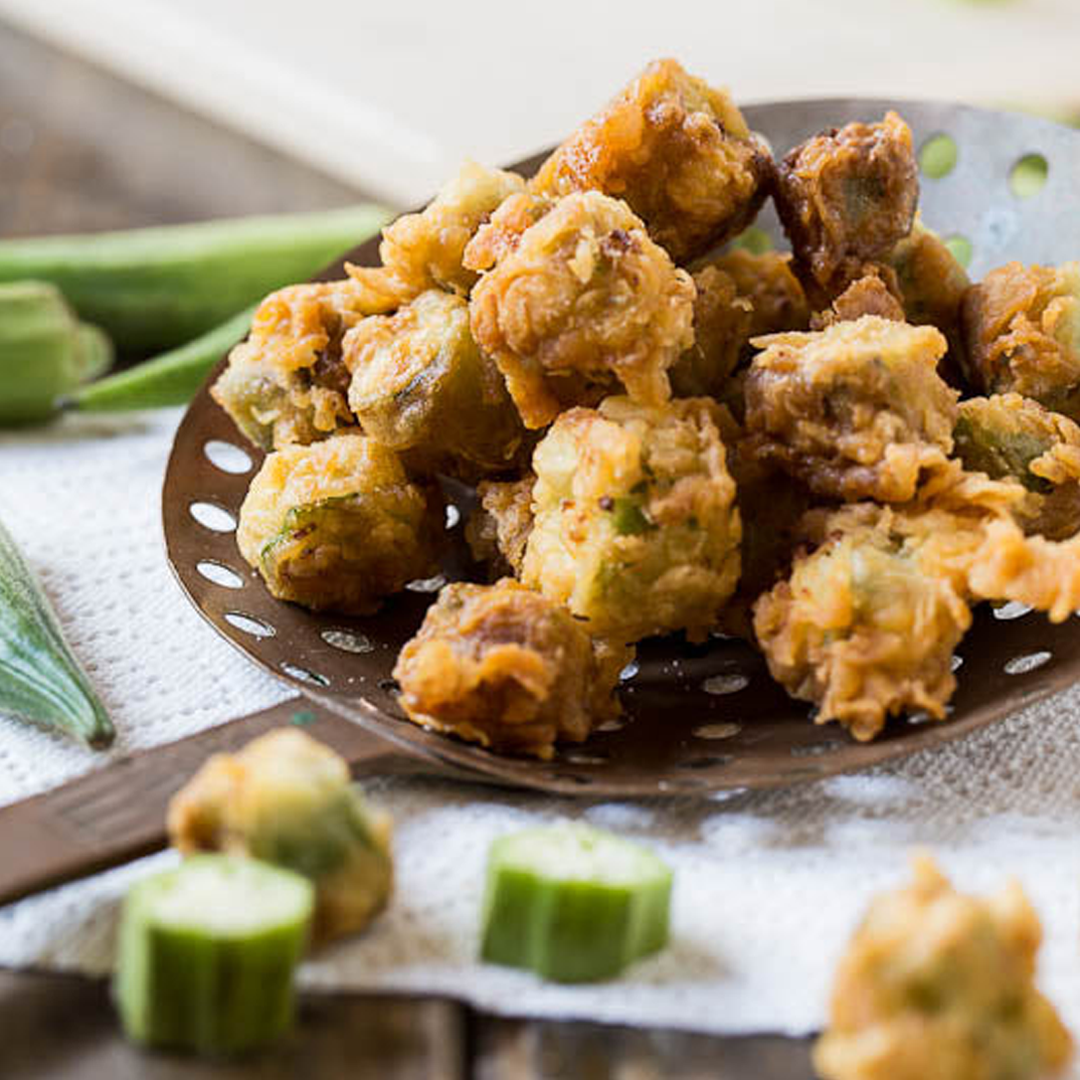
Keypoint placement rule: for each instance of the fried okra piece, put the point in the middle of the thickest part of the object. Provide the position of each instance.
(739, 296)
(855, 411)
(847, 197)
(339, 525)
(584, 296)
(1022, 333)
(868, 295)
(932, 285)
(938, 985)
(865, 626)
(421, 385)
(636, 529)
(286, 383)
(498, 529)
(1008, 436)
(287, 799)
(674, 148)
(424, 251)
(503, 666)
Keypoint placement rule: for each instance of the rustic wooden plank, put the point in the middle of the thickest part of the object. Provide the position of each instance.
(549, 1050)
(61, 1026)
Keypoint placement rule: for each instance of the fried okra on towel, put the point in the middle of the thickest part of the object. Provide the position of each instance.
(937, 985)
(1022, 333)
(845, 198)
(503, 666)
(1008, 436)
(855, 411)
(286, 383)
(584, 298)
(287, 799)
(421, 386)
(339, 525)
(636, 529)
(677, 150)
(424, 251)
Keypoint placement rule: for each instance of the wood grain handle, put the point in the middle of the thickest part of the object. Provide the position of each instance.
(118, 813)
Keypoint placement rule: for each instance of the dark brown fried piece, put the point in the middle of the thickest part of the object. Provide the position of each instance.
(846, 197)
(677, 150)
(1010, 437)
(499, 527)
(584, 298)
(503, 666)
(777, 300)
(869, 295)
(855, 411)
(1021, 329)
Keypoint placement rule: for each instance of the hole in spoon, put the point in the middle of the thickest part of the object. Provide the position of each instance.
(213, 517)
(227, 457)
(1021, 665)
(249, 624)
(312, 678)
(1028, 176)
(937, 156)
(348, 641)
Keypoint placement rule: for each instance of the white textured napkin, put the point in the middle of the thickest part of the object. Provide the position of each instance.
(768, 886)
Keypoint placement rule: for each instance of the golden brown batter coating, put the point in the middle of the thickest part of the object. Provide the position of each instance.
(585, 295)
(424, 251)
(866, 625)
(855, 411)
(289, 800)
(1008, 436)
(503, 666)
(1022, 333)
(937, 985)
(338, 525)
(677, 150)
(868, 295)
(421, 386)
(846, 197)
(286, 383)
(739, 296)
(636, 529)
(499, 527)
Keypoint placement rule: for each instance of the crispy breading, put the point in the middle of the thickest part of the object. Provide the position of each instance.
(1021, 329)
(937, 985)
(870, 294)
(585, 296)
(636, 529)
(425, 250)
(499, 527)
(777, 300)
(846, 197)
(421, 386)
(1010, 436)
(677, 150)
(338, 525)
(503, 666)
(854, 411)
(286, 383)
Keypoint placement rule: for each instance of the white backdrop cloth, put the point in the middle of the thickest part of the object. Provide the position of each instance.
(768, 886)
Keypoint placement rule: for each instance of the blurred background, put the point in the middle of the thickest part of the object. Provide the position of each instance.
(387, 98)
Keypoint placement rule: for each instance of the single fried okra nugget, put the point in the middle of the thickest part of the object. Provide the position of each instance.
(636, 529)
(339, 525)
(421, 386)
(286, 383)
(1022, 333)
(937, 985)
(584, 296)
(677, 150)
(287, 799)
(1008, 436)
(503, 666)
(845, 198)
(424, 251)
(855, 411)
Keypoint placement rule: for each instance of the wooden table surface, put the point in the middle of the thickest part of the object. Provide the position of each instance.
(80, 150)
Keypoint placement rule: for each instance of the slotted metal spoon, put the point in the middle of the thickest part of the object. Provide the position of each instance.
(698, 719)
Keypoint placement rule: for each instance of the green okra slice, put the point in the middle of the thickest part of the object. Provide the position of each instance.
(573, 903)
(207, 953)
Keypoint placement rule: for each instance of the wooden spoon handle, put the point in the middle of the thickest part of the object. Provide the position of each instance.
(118, 813)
